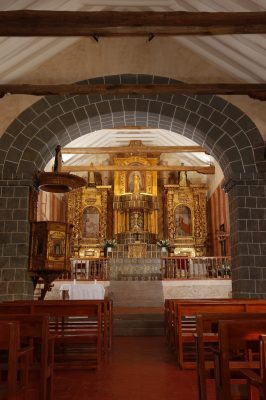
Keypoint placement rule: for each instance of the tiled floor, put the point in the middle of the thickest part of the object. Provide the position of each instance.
(138, 368)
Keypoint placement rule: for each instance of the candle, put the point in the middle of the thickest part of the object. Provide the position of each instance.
(75, 281)
(95, 281)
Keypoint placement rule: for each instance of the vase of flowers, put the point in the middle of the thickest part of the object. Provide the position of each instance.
(109, 244)
(163, 244)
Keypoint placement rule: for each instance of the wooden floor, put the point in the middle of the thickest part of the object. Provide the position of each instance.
(138, 368)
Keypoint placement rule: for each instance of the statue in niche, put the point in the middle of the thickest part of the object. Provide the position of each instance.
(182, 177)
(136, 184)
(91, 178)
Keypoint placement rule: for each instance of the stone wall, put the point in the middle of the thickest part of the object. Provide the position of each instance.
(15, 282)
(247, 202)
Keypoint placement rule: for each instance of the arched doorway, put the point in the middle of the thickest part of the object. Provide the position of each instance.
(212, 122)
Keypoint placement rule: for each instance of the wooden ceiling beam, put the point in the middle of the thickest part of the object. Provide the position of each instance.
(256, 90)
(133, 149)
(115, 23)
(96, 168)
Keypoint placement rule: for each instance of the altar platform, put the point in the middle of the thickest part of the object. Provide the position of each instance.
(153, 293)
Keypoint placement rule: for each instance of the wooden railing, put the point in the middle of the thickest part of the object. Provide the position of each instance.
(88, 269)
(195, 267)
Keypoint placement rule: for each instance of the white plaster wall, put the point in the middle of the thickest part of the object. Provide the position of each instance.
(162, 56)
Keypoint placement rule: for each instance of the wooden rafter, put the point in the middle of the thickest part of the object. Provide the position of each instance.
(114, 23)
(133, 149)
(96, 168)
(256, 90)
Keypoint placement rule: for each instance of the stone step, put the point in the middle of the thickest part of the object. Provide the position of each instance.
(139, 325)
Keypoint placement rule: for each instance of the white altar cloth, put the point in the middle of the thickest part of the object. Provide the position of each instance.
(83, 291)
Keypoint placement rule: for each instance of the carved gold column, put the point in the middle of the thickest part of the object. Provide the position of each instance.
(115, 222)
(103, 219)
(127, 221)
(145, 221)
(170, 215)
(156, 222)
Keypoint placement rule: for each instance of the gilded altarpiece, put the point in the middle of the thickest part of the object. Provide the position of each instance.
(135, 199)
(186, 219)
(87, 210)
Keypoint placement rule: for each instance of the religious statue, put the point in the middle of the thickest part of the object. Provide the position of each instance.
(182, 177)
(91, 178)
(136, 184)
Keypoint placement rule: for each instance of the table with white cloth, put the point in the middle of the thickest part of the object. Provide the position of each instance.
(83, 291)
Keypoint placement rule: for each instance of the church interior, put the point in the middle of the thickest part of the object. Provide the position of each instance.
(132, 200)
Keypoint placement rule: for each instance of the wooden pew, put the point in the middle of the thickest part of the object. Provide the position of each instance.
(206, 336)
(77, 326)
(257, 382)
(34, 331)
(14, 362)
(106, 306)
(82, 328)
(170, 307)
(236, 347)
(185, 327)
(184, 321)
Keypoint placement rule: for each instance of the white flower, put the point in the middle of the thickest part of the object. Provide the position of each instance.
(163, 243)
(110, 243)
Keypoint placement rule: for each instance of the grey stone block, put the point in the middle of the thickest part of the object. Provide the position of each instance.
(15, 287)
(8, 274)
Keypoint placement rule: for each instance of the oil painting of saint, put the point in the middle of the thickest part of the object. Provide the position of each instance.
(90, 222)
(183, 225)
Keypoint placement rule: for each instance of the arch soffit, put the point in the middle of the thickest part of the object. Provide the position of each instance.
(221, 128)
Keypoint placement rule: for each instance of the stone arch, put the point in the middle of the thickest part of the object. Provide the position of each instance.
(221, 128)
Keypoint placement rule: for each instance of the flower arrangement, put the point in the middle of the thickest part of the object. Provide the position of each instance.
(163, 243)
(110, 243)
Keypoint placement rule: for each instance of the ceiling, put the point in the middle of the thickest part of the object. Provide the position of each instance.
(149, 137)
(241, 56)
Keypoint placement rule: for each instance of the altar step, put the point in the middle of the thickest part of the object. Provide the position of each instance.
(135, 269)
(136, 293)
(139, 325)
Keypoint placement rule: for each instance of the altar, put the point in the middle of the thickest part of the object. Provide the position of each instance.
(82, 291)
(141, 206)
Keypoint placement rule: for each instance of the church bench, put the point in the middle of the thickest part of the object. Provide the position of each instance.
(206, 336)
(34, 331)
(170, 306)
(238, 350)
(257, 381)
(170, 312)
(80, 335)
(184, 322)
(28, 306)
(14, 362)
(185, 327)
(106, 307)
(77, 326)
(170, 309)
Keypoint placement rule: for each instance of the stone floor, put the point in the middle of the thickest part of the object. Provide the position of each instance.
(137, 368)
